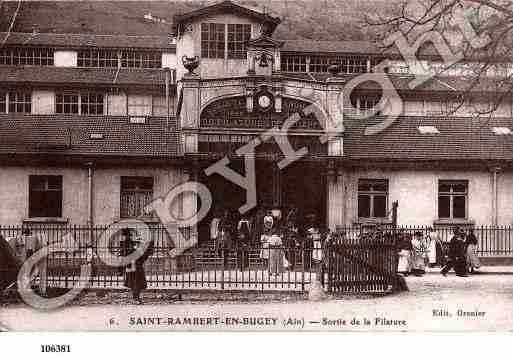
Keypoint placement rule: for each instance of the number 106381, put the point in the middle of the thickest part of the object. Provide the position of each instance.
(53, 348)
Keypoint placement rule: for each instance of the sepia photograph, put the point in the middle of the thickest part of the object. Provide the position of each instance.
(256, 165)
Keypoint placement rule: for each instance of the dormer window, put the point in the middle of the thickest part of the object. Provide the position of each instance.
(219, 41)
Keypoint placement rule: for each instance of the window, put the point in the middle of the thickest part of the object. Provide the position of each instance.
(353, 65)
(348, 65)
(141, 59)
(293, 63)
(372, 198)
(45, 196)
(238, 35)
(452, 199)
(367, 104)
(91, 104)
(320, 63)
(139, 105)
(212, 40)
(136, 193)
(3, 102)
(97, 58)
(66, 103)
(364, 104)
(26, 56)
(15, 102)
(20, 102)
(128, 59)
(79, 103)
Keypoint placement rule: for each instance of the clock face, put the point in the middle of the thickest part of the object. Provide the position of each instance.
(264, 101)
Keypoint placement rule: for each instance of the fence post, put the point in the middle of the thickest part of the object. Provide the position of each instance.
(395, 283)
(223, 252)
(43, 269)
(303, 254)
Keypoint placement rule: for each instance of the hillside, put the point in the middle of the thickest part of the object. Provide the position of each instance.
(301, 19)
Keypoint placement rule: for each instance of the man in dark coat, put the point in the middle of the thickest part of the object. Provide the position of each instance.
(242, 242)
(135, 278)
(457, 258)
(10, 265)
(224, 243)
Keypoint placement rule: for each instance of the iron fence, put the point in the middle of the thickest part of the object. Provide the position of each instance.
(353, 260)
(493, 241)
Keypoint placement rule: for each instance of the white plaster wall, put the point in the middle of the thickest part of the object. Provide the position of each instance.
(417, 193)
(169, 60)
(505, 198)
(117, 104)
(65, 58)
(189, 45)
(43, 102)
(107, 192)
(14, 193)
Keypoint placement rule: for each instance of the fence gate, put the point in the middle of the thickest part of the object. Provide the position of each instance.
(362, 265)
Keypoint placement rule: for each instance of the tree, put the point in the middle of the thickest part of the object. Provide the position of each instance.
(481, 31)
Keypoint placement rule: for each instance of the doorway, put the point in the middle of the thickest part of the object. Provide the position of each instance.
(301, 186)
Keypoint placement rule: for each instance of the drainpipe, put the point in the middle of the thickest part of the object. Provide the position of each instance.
(167, 84)
(495, 199)
(90, 194)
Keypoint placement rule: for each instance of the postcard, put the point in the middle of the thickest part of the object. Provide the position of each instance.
(331, 166)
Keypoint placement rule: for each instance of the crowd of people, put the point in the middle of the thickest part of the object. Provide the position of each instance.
(418, 251)
(282, 239)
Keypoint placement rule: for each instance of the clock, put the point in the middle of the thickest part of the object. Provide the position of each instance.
(264, 101)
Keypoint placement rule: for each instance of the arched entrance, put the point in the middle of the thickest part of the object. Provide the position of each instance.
(226, 125)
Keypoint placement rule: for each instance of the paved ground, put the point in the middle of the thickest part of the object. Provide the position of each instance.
(486, 300)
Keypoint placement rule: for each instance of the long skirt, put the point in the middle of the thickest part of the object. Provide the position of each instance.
(276, 263)
(317, 252)
(136, 280)
(264, 251)
(418, 262)
(472, 258)
(404, 263)
(432, 252)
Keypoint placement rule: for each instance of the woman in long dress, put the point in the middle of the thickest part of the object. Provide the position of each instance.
(432, 240)
(266, 235)
(419, 251)
(316, 239)
(135, 278)
(404, 262)
(473, 262)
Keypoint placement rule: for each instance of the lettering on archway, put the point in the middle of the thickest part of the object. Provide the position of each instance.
(232, 113)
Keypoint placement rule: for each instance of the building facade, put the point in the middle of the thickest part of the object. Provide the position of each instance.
(93, 127)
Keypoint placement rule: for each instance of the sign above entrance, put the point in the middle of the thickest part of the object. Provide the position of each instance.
(233, 113)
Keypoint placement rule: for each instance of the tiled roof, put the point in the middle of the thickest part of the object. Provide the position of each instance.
(89, 40)
(401, 82)
(459, 139)
(81, 76)
(312, 46)
(71, 135)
